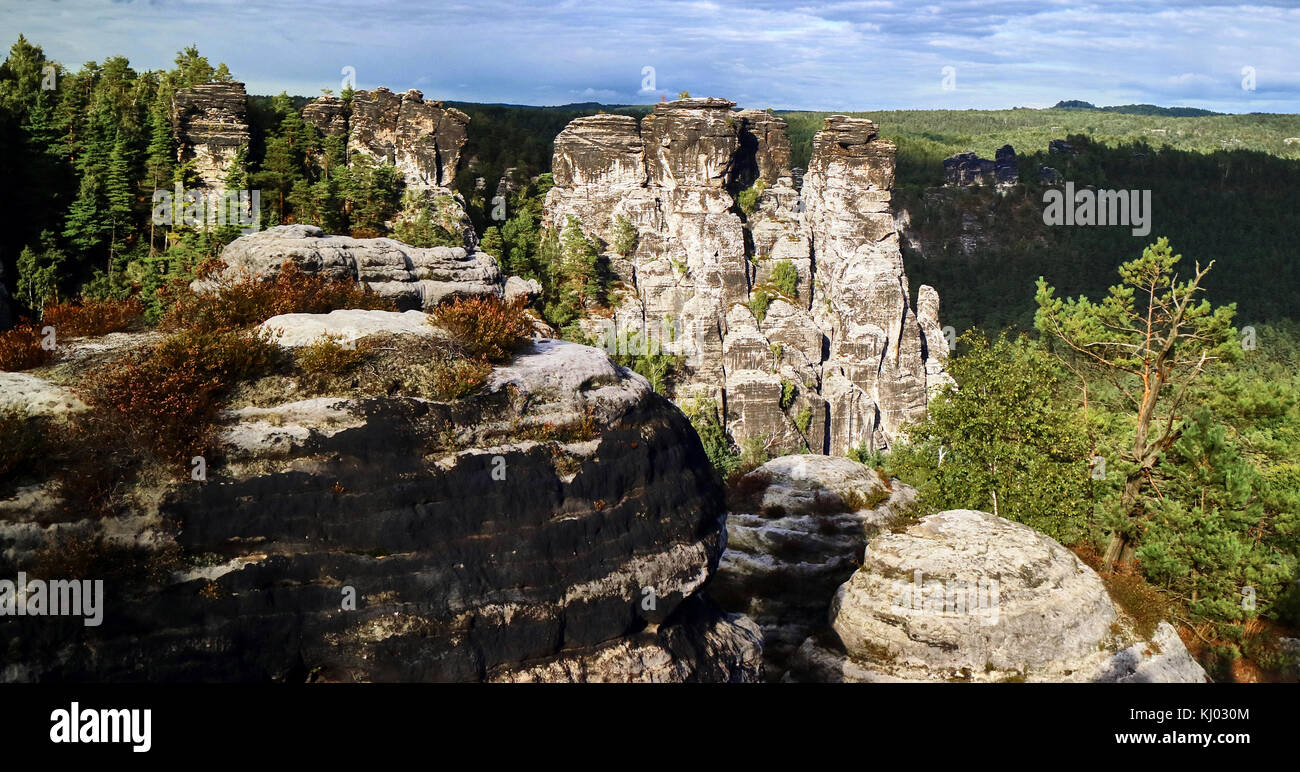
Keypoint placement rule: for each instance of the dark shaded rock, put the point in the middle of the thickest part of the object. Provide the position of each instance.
(1048, 174)
(1005, 169)
(796, 540)
(969, 169)
(6, 303)
(472, 553)
(764, 149)
(1060, 147)
(796, 174)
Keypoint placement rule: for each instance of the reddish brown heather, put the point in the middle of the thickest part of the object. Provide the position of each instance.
(486, 326)
(92, 317)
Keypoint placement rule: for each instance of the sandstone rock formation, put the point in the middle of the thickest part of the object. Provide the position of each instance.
(846, 340)
(969, 169)
(417, 278)
(210, 122)
(422, 139)
(796, 537)
(968, 596)
(560, 524)
(327, 113)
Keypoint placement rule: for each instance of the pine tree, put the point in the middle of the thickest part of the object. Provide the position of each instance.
(1155, 337)
(492, 243)
(117, 196)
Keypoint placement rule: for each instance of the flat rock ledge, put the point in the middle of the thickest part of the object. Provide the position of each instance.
(347, 327)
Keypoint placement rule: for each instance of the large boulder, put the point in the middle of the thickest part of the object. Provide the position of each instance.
(794, 534)
(967, 596)
(414, 277)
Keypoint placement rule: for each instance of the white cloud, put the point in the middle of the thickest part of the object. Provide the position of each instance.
(854, 54)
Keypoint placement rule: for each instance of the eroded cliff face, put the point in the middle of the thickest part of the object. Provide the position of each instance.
(859, 358)
(422, 139)
(560, 524)
(210, 122)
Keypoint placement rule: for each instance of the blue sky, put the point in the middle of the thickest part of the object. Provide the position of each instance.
(850, 55)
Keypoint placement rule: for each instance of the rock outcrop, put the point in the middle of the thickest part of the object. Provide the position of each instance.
(415, 277)
(559, 524)
(210, 122)
(798, 534)
(837, 360)
(327, 113)
(968, 596)
(422, 139)
(969, 169)
(1060, 147)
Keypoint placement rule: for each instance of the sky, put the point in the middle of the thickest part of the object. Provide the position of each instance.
(785, 54)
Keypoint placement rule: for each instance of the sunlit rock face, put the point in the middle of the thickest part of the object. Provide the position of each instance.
(210, 121)
(835, 360)
(414, 277)
(964, 595)
(422, 139)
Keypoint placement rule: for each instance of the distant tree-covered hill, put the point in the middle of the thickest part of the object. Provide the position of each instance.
(1169, 112)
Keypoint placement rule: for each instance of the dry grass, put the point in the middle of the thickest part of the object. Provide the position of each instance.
(331, 356)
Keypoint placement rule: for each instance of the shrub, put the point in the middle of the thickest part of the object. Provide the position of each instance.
(785, 277)
(330, 355)
(803, 420)
(91, 317)
(250, 300)
(485, 326)
(748, 198)
(166, 400)
(753, 454)
(704, 417)
(787, 394)
(456, 377)
(21, 349)
(625, 235)
(758, 303)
